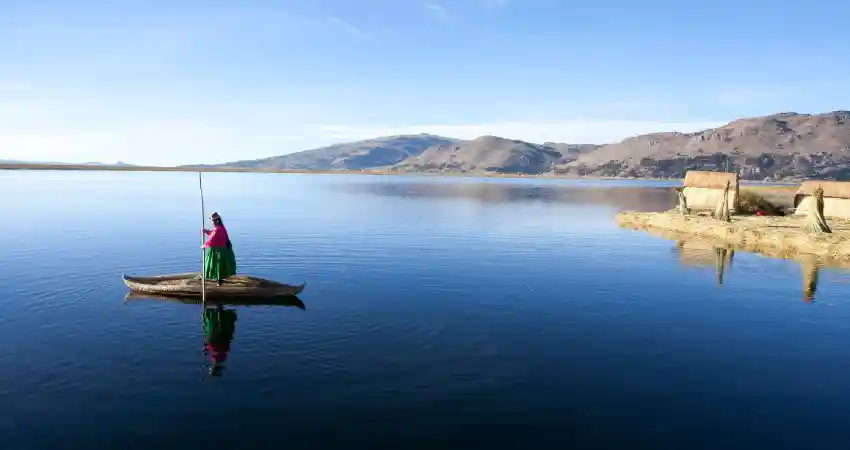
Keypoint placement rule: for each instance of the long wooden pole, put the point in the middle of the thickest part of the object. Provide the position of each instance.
(203, 263)
(203, 250)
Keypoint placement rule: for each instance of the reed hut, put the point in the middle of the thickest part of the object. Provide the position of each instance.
(704, 190)
(836, 198)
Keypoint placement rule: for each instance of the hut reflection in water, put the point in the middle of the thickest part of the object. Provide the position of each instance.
(705, 254)
(810, 269)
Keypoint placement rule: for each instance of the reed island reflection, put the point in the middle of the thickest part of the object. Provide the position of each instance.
(703, 253)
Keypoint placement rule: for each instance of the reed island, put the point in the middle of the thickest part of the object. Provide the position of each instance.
(712, 205)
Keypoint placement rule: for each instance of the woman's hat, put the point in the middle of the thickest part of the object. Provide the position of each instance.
(215, 216)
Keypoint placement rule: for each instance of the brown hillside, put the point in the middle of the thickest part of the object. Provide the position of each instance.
(486, 153)
(786, 144)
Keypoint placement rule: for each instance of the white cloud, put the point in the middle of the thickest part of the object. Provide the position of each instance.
(346, 26)
(154, 144)
(440, 13)
(182, 131)
(173, 141)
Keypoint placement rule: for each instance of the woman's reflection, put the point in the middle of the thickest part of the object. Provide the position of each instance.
(219, 326)
(220, 322)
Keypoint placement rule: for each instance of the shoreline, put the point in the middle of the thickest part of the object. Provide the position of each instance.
(683, 239)
(87, 167)
(778, 236)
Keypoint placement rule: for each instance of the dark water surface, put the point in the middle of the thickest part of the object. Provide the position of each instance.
(439, 312)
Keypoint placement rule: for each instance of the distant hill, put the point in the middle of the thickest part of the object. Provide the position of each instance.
(490, 154)
(785, 145)
(426, 153)
(373, 153)
(778, 146)
(14, 161)
(119, 163)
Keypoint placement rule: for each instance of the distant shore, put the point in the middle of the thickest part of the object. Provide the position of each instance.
(94, 167)
(130, 168)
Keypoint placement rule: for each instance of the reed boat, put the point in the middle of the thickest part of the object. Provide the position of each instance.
(189, 285)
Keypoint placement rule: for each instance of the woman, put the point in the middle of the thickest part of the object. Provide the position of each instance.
(220, 261)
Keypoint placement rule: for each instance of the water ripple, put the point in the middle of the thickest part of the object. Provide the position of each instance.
(472, 304)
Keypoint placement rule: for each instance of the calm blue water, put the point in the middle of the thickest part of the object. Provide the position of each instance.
(438, 312)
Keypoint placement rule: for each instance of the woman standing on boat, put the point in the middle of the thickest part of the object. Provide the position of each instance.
(220, 261)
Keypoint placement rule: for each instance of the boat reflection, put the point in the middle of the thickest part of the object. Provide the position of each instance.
(291, 300)
(219, 322)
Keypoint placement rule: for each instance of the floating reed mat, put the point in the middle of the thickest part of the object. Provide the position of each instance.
(779, 235)
(697, 250)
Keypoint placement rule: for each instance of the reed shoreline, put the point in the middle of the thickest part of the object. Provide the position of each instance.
(685, 238)
(778, 236)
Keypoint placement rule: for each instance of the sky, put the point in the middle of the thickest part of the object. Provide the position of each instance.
(189, 81)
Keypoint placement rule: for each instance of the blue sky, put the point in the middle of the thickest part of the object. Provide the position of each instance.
(172, 82)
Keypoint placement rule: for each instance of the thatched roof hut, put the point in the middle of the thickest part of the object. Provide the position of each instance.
(704, 190)
(711, 180)
(836, 198)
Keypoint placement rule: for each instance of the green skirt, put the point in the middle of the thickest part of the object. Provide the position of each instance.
(219, 324)
(220, 263)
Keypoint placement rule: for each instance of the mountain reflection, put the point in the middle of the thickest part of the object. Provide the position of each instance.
(642, 198)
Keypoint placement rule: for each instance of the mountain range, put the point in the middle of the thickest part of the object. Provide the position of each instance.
(785, 146)
(778, 146)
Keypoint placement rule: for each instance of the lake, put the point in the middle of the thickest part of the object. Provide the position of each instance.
(439, 312)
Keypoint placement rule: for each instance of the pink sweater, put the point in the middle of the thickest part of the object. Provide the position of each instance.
(218, 237)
